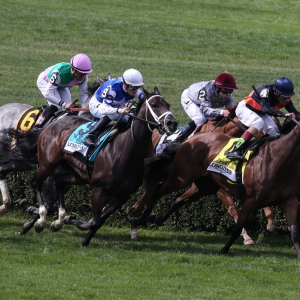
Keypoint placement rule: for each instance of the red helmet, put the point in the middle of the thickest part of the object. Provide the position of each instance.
(225, 81)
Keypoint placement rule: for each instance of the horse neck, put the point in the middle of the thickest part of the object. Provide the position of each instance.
(225, 127)
(286, 150)
(141, 133)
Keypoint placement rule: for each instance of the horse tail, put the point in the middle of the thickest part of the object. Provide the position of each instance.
(19, 145)
(161, 160)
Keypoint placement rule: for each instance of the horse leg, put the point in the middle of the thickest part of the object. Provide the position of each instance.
(63, 180)
(5, 195)
(233, 211)
(247, 208)
(28, 225)
(270, 218)
(291, 209)
(95, 223)
(41, 222)
(189, 196)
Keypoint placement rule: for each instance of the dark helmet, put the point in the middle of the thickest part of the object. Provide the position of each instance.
(225, 81)
(285, 87)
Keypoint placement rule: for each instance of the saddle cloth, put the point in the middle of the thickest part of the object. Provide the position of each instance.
(227, 167)
(75, 140)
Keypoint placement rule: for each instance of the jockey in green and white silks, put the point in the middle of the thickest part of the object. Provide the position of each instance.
(55, 83)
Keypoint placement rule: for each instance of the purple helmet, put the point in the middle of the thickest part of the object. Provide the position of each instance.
(81, 63)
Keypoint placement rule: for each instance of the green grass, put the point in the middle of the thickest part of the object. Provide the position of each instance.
(174, 44)
(161, 265)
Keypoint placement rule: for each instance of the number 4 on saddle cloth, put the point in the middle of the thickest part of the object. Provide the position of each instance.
(75, 141)
(233, 170)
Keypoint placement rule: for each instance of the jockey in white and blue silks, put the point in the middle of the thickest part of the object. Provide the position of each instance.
(55, 83)
(110, 100)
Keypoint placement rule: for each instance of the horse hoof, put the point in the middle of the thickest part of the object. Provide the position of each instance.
(224, 251)
(67, 219)
(38, 228)
(248, 242)
(85, 243)
(272, 229)
(54, 227)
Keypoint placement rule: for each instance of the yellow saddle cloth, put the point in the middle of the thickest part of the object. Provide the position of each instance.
(225, 166)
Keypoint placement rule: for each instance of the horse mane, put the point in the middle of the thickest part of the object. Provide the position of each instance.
(287, 126)
(26, 144)
(92, 87)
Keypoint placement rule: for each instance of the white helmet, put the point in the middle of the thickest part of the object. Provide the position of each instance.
(133, 77)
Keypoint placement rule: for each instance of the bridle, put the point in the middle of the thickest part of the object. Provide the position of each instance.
(161, 127)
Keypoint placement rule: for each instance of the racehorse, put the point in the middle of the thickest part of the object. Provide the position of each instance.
(21, 117)
(118, 167)
(270, 177)
(231, 127)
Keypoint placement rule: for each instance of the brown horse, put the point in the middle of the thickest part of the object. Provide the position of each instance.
(270, 178)
(118, 168)
(232, 128)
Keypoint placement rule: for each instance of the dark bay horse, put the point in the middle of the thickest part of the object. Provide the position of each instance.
(118, 168)
(232, 128)
(270, 178)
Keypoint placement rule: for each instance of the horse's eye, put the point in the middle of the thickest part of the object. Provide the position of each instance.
(154, 105)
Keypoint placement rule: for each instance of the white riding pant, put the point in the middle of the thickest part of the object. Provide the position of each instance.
(99, 110)
(63, 93)
(192, 109)
(250, 118)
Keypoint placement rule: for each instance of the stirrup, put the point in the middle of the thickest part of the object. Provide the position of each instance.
(235, 155)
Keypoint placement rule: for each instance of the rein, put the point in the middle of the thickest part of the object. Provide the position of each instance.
(78, 108)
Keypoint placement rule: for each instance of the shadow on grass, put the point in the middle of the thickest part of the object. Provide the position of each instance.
(189, 243)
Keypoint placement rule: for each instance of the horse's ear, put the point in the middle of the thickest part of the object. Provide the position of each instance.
(109, 77)
(156, 91)
(146, 93)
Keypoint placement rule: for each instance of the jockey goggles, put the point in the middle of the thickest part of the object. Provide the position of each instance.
(225, 91)
(133, 88)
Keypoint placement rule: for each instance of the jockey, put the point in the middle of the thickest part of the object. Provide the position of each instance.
(202, 101)
(256, 109)
(55, 83)
(109, 101)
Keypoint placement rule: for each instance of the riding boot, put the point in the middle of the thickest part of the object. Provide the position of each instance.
(236, 152)
(188, 129)
(91, 138)
(46, 114)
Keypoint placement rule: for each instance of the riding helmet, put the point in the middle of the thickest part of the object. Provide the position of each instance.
(81, 63)
(133, 77)
(285, 87)
(225, 81)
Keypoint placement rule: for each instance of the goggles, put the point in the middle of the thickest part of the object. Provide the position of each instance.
(133, 88)
(225, 91)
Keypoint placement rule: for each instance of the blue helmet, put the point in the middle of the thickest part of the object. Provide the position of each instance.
(285, 87)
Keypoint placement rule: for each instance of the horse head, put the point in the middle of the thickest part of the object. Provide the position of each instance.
(156, 110)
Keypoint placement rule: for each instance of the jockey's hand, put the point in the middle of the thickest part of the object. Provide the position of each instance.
(226, 113)
(290, 115)
(124, 111)
(68, 105)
